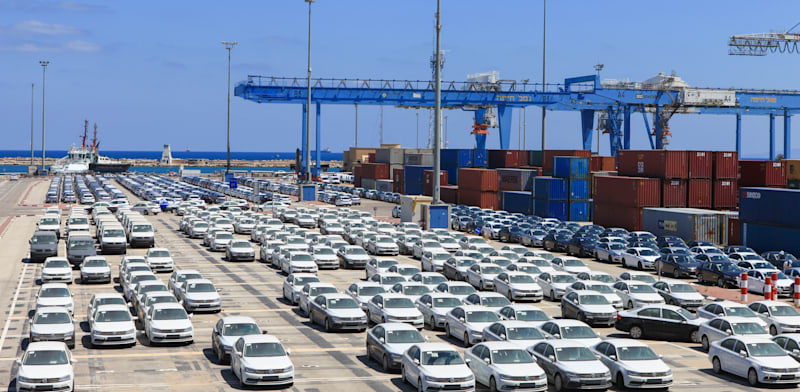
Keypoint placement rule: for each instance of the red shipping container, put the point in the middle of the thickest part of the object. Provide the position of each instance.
(449, 194)
(357, 175)
(699, 193)
(479, 199)
(375, 171)
(653, 163)
(600, 163)
(504, 158)
(701, 164)
(547, 157)
(371, 157)
(673, 193)
(762, 173)
(734, 231)
(537, 170)
(726, 194)
(397, 188)
(726, 164)
(611, 215)
(627, 191)
(427, 182)
(478, 180)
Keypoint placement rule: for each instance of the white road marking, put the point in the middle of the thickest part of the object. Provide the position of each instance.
(13, 307)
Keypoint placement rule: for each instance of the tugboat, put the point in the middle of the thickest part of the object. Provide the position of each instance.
(86, 158)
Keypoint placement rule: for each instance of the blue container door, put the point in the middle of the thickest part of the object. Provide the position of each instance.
(580, 211)
(480, 158)
(439, 217)
(570, 167)
(578, 189)
(452, 175)
(549, 188)
(552, 209)
(763, 238)
(412, 188)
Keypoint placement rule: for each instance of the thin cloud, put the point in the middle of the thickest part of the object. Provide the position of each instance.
(82, 46)
(39, 27)
(174, 65)
(79, 6)
(40, 47)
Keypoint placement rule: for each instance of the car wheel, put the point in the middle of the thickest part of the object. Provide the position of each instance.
(466, 339)
(716, 365)
(700, 278)
(721, 283)
(636, 332)
(582, 317)
(385, 363)
(772, 330)
(558, 383)
(630, 305)
(620, 381)
(705, 343)
(752, 377)
(694, 336)
(419, 385)
(492, 384)
(641, 267)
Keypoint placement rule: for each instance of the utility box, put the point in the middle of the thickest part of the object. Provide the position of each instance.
(435, 216)
(308, 192)
(411, 210)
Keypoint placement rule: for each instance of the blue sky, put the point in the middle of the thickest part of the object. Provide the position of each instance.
(154, 72)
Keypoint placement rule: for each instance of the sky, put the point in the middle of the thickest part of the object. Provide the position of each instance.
(154, 72)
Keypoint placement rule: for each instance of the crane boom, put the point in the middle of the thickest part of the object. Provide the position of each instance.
(762, 44)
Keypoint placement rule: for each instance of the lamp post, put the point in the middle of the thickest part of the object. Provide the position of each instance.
(308, 112)
(437, 115)
(44, 64)
(229, 45)
(32, 94)
(544, 72)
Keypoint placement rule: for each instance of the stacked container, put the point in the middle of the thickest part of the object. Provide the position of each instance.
(762, 173)
(370, 172)
(397, 180)
(427, 182)
(504, 158)
(516, 179)
(551, 198)
(478, 187)
(453, 159)
(480, 158)
(419, 159)
(619, 200)
(792, 173)
(449, 194)
(413, 178)
(700, 170)
(602, 163)
(575, 170)
(357, 176)
(725, 192)
(516, 201)
(544, 158)
(770, 219)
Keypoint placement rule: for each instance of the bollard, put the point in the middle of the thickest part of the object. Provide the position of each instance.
(743, 287)
(797, 291)
(774, 286)
(767, 288)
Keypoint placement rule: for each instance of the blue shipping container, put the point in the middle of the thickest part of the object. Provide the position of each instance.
(412, 188)
(570, 167)
(516, 201)
(763, 238)
(552, 209)
(414, 174)
(580, 211)
(452, 157)
(452, 175)
(770, 206)
(480, 158)
(549, 188)
(578, 189)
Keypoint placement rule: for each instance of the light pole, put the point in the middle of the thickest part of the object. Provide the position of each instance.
(32, 124)
(544, 71)
(437, 116)
(356, 125)
(417, 128)
(44, 64)
(308, 112)
(525, 123)
(229, 45)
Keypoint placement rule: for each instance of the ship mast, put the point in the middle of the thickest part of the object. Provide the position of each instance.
(85, 132)
(94, 138)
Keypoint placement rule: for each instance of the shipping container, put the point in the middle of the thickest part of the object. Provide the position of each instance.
(764, 238)
(357, 173)
(726, 164)
(452, 175)
(412, 188)
(762, 173)
(414, 174)
(390, 155)
(480, 158)
(592, 182)
(504, 158)
(792, 169)
(734, 231)
(548, 155)
(570, 167)
(578, 189)
(397, 175)
(701, 164)
(558, 209)
(397, 187)
(699, 193)
(451, 157)
(478, 198)
(516, 201)
(615, 215)
(368, 183)
(628, 191)
(375, 171)
(427, 182)
(383, 185)
(516, 179)
(770, 206)
(485, 180)
(536, 158)
(653, 163)
(724, 219)
(673, 193)
(688, 224)
(725, 194)
(425, 159)
(580, 211)
(602, 163)
(449, 194)
(550, 188)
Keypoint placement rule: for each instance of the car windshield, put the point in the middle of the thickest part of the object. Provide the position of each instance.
(321, 290)
(748, 329)
(728, 267)
(717, 257)
(531, 315)
(404, 336)
(295, 241)
(616, 246)
(45, 357)
(370, 291)
(524, 333)
(570, 354)
(415, 290)
(433, 358)
(647, 252)
(78, 221)
(390, 280)
(600, 288)
(766, 349)
(783, 310)
(52, 292)
(111, 316)
(573, 263)
(95, 263)
(185, 277)
(757, 257)
(494, 302)
(647, 278)
(223, 236)
(240, 329)
(265, 349)
(52, 318)
(521, 279)
(48, 221)
(563, 278)
(81, 244)
(480, 316)
(109, 301)
(324, 251)
(712, 250)
(446, 302)
(682, 288)
(577, 332)
(142, 228)
(461, 289)
(200, 288)
(636, 353)
(592, 299)
(302, 257)
(386, 263)
(435, 279)
(529, 269)
(162, 299)
(408, 271)
(241, 244)
(491, 270)
(57, 264)
(44, 240)
(441, 256)
(342, 303)
(170, 314)
(304, 280)
(158, 253)
(540, 262)
(356, 251)
(398, 303)
(740, 311)
(511, 356)
(682, 259)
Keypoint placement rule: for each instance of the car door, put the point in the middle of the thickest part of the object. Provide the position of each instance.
(458, 328)
(602, 353)
(675, 326)
(236, 364)
(651, 322)
(412, 372)
(754, 283)
(473, 274)
(740, 363)
(622, 291)
(570, 305)
(376, 348)
(501, 284)
(714, 330)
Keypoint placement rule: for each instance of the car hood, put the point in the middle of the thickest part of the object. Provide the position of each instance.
(577, 270)
(114, 326)
(170, 324)
(54, 301)
(330, 257)
(452, 371)
(519, 369)
(526, 286)
(599, 308)
(267, 362)
(690, 296)
(44, 371)
(478, 326)
(402, 312)
(646, 296)
(200, 296)
(583, 367)
(398, 348)
(357, 257)
(790, 320)
(44, 247)
(303, 263)
(57, 271)
(96, 270)
(356, 312)
(525, 343)
(654, 366)
(160, 259)
(52, 328)
(49, 227)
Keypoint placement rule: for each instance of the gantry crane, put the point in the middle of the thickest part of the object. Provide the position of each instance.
(761, 44)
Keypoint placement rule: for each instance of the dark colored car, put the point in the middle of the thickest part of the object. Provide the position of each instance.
(777, 258)
(721, 273)
(678, 265)
(508, 233)
(662, 322)
(582, 247)
(556, 242)
(44, 244)
(700, 243)
(78, 247)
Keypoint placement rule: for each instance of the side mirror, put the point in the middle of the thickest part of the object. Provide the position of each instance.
(613, 357)
(428, 339)
(382, 340)
(135, 318)
(73, 361)
(468, 361)
(552, 358)
(416, 361)
(557, 335)
(743, 354)
(487, 360)
(380, 305)
(190, 315)
(288, 351)
(238, 354)
(502, 336)
(219, 290)
(429, 305)
(728, 331)
(323, 306)
(796, 351)
(660, 356)
(18, 361)
(461, 319)
(264, 332)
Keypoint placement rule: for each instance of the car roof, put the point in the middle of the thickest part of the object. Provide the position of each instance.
(155, 249)
(483, 294)
(53, 285)
(471, 308)
(397, 327)
(751, 339)
(167, 305)
(436, 347)
(52, 309)
(186, 271)
(112, 307)
(502, 345)
(334, 295)
(106, 295)
(565, 343)
(727, 303)
(260, 339)
(587, 292)
(40, 346)
(514, 323)
(55, 258)
(771, 303)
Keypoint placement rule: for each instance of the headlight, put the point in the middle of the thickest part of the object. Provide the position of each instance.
(65, 378)
(156, 330)
(130, 331)
(571, 375)
(436, 379)
(24, 379)
(769, 369)
(636, 374)
(250, 370)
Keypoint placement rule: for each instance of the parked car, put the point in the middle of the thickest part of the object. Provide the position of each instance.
(662, 322)
(505, 366)
(633, 364)
(571, 365)
(436, 366)
(759, 360)
(386, 343)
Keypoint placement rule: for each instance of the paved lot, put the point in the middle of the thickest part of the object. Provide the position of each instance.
(323, 361)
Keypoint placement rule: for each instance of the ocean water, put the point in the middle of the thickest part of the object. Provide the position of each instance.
(181, 154)
(164, 169)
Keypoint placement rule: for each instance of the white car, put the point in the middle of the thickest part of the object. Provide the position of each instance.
(554, 285)
(523, 312)
(95, 269)
(482, 275)
(200, 295)
(362, 292)
(383, 245)
(394, 308)
(424, 246)
(179, 276)
(470, 240)
(412, 290)
(635, 294)
(168, 322)
(679, 293)
(159, 260)
(759, 360)
(112, 325)
(337, 311)
(781, 317)
(220, 241)
(600, 288)
(50, 324)
(387, 279)
(522, 334)
(435, 306)
(574, 330)
(505, 366)
(240, 250)
(731, 309)
(633, 364)
(459, 290)
(722, 327)
(466, 323)
(45, 366)
(449, 244)
(56, 269)
(434, 261)
(378, 265)
(293, 285)
(405, 269)
(641, 258)
(299, 262)
(756, 282)
(518, 286)
(569, 264)
(429, 279)
(151, 298)
(55, 294)
(488, 299)
(261, 360)
(227, 331)
(325, 257)
(436, 367)
(311, 291)
(100, 299)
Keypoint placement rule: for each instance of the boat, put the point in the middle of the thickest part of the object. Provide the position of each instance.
(86, 158)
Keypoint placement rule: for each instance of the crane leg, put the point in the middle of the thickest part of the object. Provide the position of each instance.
(587, 126)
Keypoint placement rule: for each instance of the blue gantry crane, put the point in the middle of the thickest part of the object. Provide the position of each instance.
(662, 96)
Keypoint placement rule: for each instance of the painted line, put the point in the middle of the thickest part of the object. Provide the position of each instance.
(195, 353)
(4, 226)
(698, 354)
(13, 306)
(24, 200)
